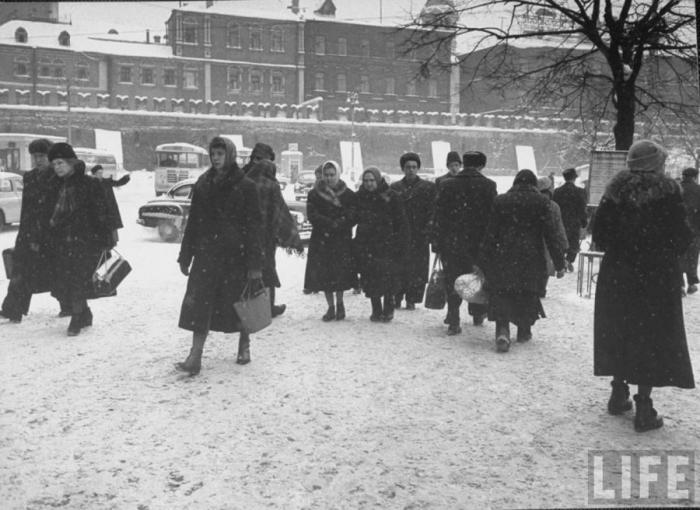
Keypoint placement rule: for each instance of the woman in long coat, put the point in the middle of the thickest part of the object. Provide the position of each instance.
(639, 334)
(330, 208)
(381, 242)
(546, 186)
(222, 244)
(513, 259)
(79, 233)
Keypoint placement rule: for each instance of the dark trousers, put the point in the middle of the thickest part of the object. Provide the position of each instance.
(19, 295)
(453, 304)
(413, 294)
(574, 248)
(690, 262)
(455, 266)
(377, 305)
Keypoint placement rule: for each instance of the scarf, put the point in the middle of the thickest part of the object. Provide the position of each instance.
(330, 193)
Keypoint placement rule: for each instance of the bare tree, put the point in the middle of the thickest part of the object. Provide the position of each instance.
(622, 60)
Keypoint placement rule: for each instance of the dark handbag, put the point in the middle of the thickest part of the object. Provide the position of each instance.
(253, 308)
(110, 272)
(435, 294)
(7, 255)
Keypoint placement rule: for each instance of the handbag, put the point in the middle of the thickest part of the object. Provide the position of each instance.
(253, 308)
(7, 255)
(435, 295)
(471, 287)
(110, 272)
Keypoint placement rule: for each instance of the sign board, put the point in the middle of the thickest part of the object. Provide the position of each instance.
(440, 150)
(351, 159)
(525, 158)
(110, 141)
(236, 139)
(293, 147)
(604, 165)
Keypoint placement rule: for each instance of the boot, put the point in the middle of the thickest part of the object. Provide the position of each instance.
(502, 336)
(619, 398)
(76, 323)
(524, 334)
(454, 329)
(478, 319)
(14, 318)
(278, 310)
(397, 302)
(340, 311)
(410, 306)
(193, 364)
(330, 314)
(388, 314)
(243, 357)
(86, 317)
(376, 310)
(646, 417)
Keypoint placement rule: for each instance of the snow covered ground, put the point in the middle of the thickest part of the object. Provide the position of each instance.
(327, 416)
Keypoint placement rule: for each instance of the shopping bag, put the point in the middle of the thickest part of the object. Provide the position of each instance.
(471, 287)
(110, 272)
(253, 308)
(435, 295)
(7, 255)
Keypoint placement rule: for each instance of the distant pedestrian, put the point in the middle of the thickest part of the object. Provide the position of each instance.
(381, 242)
(572, 202)
(691, 198)
(113, 215)
(462, 211)
(80, 232)
(513, 258)
(261, 151)
(331, 209)
(33, 263)
(418, 197)
(222, 244)
(454, 166)
(546, 186)
(639, 335)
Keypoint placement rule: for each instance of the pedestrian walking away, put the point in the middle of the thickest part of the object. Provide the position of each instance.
(381, 243)
(691, 199)
(80, 232)
(572, 201)
(639, 335)
(331, 209)
(462, 210)
(113, 215)
(221, 252)
(546, 186)
(513, 258)
(418, 197)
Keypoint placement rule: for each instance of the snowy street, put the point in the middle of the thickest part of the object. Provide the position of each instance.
(338, 415)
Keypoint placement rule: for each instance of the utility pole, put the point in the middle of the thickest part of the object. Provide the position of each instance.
(69, 119)
(353, 100)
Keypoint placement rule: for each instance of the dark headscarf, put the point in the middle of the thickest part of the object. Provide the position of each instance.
(525, 178)
(382, 186)
(230, 149)
(263, 151)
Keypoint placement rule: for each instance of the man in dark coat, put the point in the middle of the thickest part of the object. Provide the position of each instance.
(418, 197)
(572, 201)
(691, 199)
(32, 261)
(454, 165)
(114, 217)
(462, 212)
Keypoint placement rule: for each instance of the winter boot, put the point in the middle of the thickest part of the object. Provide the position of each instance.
(330, 314)
(502, 336)
(15, 318)
(410, 305)
(243, 357)
(388, 314)
(193, 364)
(646, 417)
(478, 319)
(454, 329)
(524, 334)
(86, 317)
(619, 398)
(76, 323)
(397, 302)
(376, 310)
(340, 311)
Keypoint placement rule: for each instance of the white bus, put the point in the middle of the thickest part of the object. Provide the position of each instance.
(93, 157)
(14, 151)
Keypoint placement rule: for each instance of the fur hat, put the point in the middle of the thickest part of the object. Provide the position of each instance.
(96, 169)
(690, 172)
(409, 156)
(569, 174)
(61, 150)
(262, 151)
(40, 146)
(473, 159)
(453, 157)
(526, 177)
(646, 156)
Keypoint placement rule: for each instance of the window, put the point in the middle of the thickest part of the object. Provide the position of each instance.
(169, 77)
(234, 79)
(391, 85)
(320, 45)
(411, 88)
(342, 85)
(432, 88)
(189, 78)
(58, 67)
(318, 84)
(364, 48)
(364, 84)
(125, 74)
(44, 68)
(256, 82)
(277, 40)
(21, 35)
(277, 84)
(64, 38)
(189, 31)
(234, 36)
(256, 38)
(21, 67)
(147, 77)
(82, 71)
(342, 46)
(390, 50)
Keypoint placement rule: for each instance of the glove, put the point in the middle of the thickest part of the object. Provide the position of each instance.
(185, 268)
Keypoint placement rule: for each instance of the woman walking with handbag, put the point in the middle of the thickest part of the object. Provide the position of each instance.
(222, 245)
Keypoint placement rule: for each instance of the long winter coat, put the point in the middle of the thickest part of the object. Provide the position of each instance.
(223, 237)
(329, 264)
(381, 240)
(562, 241)
(418, 199)
(79, 231)
(572, 201)
(513, 252)
(639, 333)
(691, 199)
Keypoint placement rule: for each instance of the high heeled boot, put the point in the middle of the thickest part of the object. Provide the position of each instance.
(619, 401)
(646, 417)
(243, 357)
(193, 364)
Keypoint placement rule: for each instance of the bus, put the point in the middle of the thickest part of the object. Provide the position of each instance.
(14, 151)
(92, 157)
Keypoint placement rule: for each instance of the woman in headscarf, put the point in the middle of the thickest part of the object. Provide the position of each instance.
(546, 186)
(330, 208)
(639, 335)
(79, 232)
(381, 242)
(280, 229)
(222, 245)
(512, 257)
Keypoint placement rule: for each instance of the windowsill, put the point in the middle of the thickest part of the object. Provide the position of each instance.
(190, 88)
(255, 49)
(148, 84)
(170, 86)
(234, 47)
(126, 83)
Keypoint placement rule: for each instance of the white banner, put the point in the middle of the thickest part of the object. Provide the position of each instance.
(110, 141)
(440, 150)
(351, 160)
(525, 158)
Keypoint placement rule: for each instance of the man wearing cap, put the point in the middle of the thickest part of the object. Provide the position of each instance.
(691, 198)
(462, 210)
(454, 165)
(572, 201)
(32, 264)
(418, 197)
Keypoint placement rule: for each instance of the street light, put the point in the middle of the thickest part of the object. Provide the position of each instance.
(353, 100)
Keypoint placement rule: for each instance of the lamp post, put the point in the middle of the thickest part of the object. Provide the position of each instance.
(69, 120)
(353, 100)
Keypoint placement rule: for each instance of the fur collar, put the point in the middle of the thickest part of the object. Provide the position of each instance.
(640, 188)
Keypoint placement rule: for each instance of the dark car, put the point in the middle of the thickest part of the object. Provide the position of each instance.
(169, 212)
(305, 182)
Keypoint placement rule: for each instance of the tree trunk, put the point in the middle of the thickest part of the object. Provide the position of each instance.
(624, 125)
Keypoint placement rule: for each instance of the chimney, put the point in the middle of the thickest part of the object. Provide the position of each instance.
(148, 36)
(294, 7)
(156, 39)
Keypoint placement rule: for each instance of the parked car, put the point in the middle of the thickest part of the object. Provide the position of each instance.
(10, 198)
(305, 182)
(168, 213)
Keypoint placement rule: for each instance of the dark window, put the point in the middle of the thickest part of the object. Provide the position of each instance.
(320, 45)
(82, 72)
(364, 48)
(234, 79)
(342, 83)
(64, 39)
(277, 40)
(319, 85)
(189, 31)
(234, 36)
(147, 76)
(342, 46)
(21, 35)
(21, 67)
(125, 74)
(256, 38)
(256, 82)
(391, 85)
(58, 66)
(169, 77)
(277, 84)
(364, 84)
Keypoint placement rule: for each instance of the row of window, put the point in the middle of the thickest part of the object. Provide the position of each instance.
(147, 76)
(21, 36)
(255, 81)
(385, 86)
(321, 47)
(50, 69)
